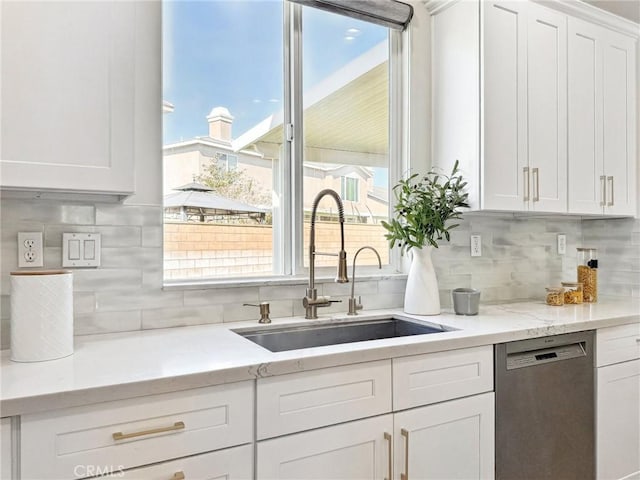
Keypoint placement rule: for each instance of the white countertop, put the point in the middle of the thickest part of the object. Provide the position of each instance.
(115, 366)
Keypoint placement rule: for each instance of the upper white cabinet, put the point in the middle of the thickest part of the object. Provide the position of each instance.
(499, 102)
(602, 119)
(538, 107)
(67, 85)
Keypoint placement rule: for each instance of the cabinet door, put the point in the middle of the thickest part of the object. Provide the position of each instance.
(618, 421)
(547, 108)
(449, 440)
(505, 184)
(585, 118)
(355, 450)
(67, 112)
(5, 448)
(619, 107)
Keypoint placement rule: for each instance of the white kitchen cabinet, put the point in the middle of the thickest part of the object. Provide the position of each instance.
(6, 450)
(301, 401)
(618, 403)
(602, 120)
(499, 102)
(228, 464)
(444, 414)
(124, 434)
(355, 450)
(68, 86)
(447, 440)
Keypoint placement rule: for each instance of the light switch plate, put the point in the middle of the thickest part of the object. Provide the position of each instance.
(81, 249)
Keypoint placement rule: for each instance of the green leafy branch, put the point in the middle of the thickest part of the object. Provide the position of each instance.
(423, 207)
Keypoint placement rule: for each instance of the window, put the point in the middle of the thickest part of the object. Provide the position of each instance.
(226, 162)
(247, 151)
(349, 189)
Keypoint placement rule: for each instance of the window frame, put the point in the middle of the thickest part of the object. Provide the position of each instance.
(288, 215)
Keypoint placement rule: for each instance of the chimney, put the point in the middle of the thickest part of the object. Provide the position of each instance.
(220, 121)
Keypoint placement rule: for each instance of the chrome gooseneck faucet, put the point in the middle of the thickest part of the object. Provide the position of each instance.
(354, 305)
(311, 301)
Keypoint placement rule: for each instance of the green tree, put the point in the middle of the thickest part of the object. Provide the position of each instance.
(235, 184)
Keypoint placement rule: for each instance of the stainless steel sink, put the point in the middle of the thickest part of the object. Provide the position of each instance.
(294, 337)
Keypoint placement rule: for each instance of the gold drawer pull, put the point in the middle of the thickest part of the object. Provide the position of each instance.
(178, 476)
(405, 434)
(121, 436)
(389, 438)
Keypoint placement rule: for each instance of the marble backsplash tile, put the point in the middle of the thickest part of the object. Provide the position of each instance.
(126, 293)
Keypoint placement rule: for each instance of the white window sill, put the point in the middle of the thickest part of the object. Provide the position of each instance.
(205, 284)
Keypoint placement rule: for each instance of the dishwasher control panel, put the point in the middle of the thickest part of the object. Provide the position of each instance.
(546, 355)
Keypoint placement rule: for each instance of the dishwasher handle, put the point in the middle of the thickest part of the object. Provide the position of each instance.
(543, 356)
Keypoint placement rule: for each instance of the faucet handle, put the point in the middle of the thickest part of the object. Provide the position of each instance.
(264, 311)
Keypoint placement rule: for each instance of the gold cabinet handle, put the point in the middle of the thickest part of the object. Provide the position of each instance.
(121, 436)
(178, 476)
(603, 190)
(405, 434)
(535, 173)
(610, 180)
(389, 439)
(525, 173)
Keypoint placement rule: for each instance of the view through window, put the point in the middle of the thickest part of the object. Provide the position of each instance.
(224, 135)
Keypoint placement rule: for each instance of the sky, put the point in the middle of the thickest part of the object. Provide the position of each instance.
(229, 53)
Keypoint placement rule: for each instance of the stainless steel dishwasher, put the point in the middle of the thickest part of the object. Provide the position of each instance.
(545, 408)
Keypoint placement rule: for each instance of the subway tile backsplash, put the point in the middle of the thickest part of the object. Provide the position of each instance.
(519, 259)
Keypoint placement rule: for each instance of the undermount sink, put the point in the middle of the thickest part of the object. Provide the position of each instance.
(294, 337)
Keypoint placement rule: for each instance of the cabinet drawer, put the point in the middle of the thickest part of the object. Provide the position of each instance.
(435, 377)
(617, 344)
(300, 401)
(134, 432)
(229, 464)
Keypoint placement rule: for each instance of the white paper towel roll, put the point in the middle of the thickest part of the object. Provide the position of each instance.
(41, 315)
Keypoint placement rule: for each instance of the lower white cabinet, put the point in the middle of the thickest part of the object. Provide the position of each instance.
(111, 437)
(618, 403)
(438, 426)
(354, 450)
(229, 464)
(6, 451)
(448, 440)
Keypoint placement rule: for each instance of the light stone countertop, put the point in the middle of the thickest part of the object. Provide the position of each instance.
(123, 365)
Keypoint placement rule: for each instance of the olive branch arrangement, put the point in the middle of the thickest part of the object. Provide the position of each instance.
(423, 207)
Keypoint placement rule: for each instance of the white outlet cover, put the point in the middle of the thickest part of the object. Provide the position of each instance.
(476, 246)
(562, 244)
(30, 257)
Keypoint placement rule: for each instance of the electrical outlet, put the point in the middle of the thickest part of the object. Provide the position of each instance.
(30, 251)
(476, 246)
(562, 244)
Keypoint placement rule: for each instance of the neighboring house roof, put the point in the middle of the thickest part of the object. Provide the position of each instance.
(332, 119)
(205, 143)
(331, 167)
(198, 196)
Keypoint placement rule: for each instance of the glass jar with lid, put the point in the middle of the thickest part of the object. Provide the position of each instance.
(572, 293)
(588, 273)
(555, 296)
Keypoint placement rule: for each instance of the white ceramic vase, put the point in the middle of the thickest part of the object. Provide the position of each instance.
(421, 296)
